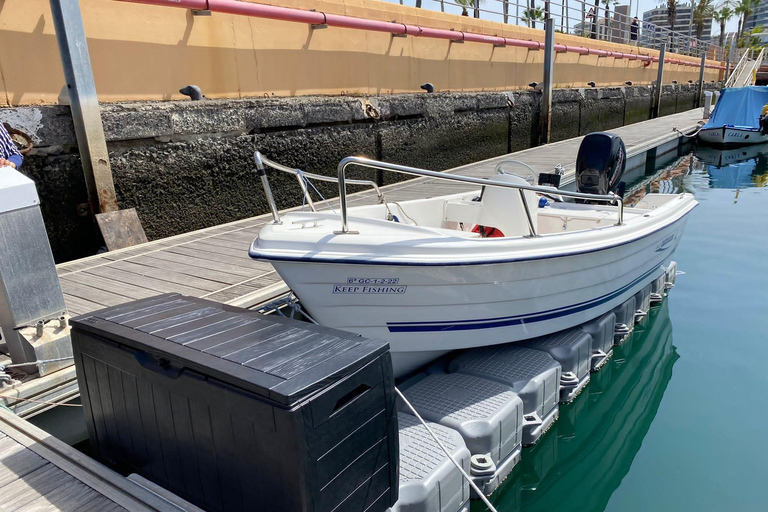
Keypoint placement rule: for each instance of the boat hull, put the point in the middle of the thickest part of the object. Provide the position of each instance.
(725, 136)
(425, 310)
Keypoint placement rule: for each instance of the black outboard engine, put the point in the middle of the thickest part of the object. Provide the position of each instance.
(600, 164)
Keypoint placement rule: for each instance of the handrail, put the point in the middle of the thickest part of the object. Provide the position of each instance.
(402, 169)
(262, 162)
(756, 67)
(737, 70)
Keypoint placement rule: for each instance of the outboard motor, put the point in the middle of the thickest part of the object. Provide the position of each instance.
(600, 164)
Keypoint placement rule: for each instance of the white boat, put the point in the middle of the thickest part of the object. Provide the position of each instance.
(421, 275)
(737, 118)
(732, 135)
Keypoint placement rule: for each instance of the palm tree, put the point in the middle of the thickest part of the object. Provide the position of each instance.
(595, 19)
(465, 4)
(532, 14)
(745, 9)
(722, 16)
(703, 11)
(608, 22)
(672, 13)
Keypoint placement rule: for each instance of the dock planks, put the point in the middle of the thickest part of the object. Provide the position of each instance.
(213, 263)
(42, 474)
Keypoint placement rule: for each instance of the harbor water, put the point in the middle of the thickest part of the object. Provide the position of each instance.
(677, 419)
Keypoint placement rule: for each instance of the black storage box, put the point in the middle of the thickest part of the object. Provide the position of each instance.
(234, 410)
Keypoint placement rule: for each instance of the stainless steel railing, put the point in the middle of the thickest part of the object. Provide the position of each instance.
(413, 171)
(263, 162)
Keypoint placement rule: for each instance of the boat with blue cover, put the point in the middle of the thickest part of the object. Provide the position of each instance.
(738, 118)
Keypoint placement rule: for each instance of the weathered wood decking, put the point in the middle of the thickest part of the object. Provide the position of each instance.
(40, 473)
(213, 262)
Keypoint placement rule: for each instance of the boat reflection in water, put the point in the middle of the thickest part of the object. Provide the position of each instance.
(583, 459)
(736, 168)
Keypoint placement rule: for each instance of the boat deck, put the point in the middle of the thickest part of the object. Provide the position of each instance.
(40, 473)
(213, 263)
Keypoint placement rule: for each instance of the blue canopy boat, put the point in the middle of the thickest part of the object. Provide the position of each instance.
(736, 118)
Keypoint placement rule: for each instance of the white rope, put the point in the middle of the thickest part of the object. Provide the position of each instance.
(306, 181)
(458, 466)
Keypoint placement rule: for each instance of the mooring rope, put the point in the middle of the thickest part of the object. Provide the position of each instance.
(688, 136)
(458, 466)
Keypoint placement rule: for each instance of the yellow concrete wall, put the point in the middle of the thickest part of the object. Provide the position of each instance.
(142, 52)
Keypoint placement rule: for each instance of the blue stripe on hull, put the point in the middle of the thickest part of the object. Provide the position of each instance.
(492, 323)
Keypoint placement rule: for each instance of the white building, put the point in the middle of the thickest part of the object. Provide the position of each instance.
(684, 24)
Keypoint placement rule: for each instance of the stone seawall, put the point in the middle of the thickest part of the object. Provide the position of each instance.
(189, 165)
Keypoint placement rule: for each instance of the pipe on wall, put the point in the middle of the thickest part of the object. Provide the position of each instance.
(336, 20)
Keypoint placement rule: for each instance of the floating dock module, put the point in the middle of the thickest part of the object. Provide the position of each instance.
(658, 288)
(643, 302)
(487, 414)
(601, 329)
(429, 482)
(573, 350)
(532, 374)
(671, 275)
(625, 320)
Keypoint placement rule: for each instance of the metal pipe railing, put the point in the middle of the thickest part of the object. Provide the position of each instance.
(737, 70)
(263, 162)
(316, 18)
(413, 171)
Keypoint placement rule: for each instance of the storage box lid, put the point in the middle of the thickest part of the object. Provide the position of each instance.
(282, 359)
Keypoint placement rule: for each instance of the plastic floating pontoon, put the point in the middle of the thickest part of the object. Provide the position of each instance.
(625, 321)
(601, 329)
(429, 482)
(658, 288)
(487, 414)
(532, 374)
(643, 302)
(572, 349)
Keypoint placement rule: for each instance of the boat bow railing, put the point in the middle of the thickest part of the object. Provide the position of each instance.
(262, 162)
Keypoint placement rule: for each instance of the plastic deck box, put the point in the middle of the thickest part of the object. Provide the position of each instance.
(233, 410)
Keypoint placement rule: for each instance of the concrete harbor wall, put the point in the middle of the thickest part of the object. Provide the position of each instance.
(146, 52)
(188, 165)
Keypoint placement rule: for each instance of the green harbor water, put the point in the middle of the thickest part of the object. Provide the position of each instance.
(678, 419)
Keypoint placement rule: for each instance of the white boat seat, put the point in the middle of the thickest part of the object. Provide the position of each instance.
(503, 207)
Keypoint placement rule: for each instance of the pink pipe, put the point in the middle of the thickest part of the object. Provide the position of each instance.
(335, 20)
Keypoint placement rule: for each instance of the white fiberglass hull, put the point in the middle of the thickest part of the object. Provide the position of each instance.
(429, 304)
(732, 136)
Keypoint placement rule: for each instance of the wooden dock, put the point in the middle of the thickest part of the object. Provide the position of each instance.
(40, 473)
(213, 263)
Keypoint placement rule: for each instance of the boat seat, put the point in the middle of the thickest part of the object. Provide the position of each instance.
(503, 207)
